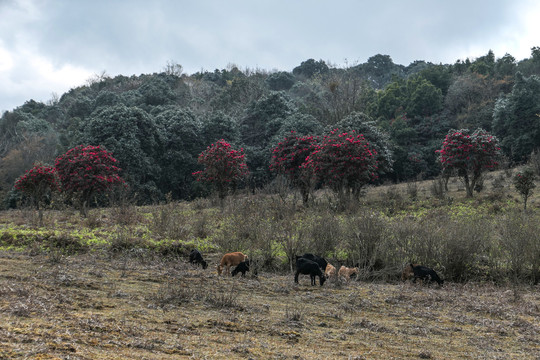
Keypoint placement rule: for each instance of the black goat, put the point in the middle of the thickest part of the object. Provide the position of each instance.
(242, 267)
(195, 257)
(308, 267)
(425, 273)
(318, 259)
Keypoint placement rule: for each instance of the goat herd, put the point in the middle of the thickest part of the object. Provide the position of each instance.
(312, 265)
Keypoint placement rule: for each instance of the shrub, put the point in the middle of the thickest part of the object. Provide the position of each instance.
(464, 242)
(324, 232)
(520, 242)
(363, 239)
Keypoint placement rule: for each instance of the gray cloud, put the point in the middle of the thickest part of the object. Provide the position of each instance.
(50, 46)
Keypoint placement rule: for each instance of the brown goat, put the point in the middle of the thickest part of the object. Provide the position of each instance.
(230, 259)
(330, 271)
(345, 272)
(407, 272)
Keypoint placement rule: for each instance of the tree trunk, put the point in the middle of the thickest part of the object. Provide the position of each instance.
(84, 208)
(468, 185)
(305, 195)
(445, 181)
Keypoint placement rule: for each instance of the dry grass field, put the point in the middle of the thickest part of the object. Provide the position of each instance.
(117, 285)
(137, 306)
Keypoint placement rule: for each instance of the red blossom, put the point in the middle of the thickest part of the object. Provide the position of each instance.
(343, 159)
(223, 166)
(37, 182)
(87, 169)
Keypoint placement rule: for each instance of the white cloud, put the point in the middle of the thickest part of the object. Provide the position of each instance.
(6, 60)
(529, 36)
(52, 46)
(27, 75)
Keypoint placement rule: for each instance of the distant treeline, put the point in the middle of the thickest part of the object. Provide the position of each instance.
(157, 124)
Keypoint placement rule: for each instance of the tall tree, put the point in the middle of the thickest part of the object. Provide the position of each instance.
(262, 122)
(182, 138)
(505, 66)
(516, 120)
(311, 68)
(132, 135)
(280, 81)
(424, 99)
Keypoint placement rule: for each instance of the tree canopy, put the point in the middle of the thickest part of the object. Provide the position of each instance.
(157, 124)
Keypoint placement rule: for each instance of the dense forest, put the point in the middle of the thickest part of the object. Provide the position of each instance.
(157, 124)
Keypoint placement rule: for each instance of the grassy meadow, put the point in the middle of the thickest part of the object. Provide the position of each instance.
(117, 285)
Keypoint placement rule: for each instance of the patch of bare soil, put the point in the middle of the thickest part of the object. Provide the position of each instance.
(133, 306)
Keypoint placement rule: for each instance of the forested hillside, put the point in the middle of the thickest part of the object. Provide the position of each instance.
(157, 124)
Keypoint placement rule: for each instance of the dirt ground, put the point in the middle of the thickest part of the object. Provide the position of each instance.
(135, 306)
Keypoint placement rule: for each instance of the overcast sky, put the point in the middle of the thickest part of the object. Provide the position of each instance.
(51, 46)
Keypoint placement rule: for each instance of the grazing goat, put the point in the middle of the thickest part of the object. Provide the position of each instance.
(308, 267)
(230, 259)
(195, 257)
(425, 273)
(318, 259)
(330, 272)
(242, 267)
(346, 273)
(408, 272)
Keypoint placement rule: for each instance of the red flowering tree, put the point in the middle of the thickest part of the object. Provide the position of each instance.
(469, 154)
(289, 156)
(224, 167)
(87, 170)
(343, 161)
(38, 184)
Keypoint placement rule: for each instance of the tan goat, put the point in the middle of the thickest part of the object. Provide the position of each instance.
(346, 273)
(407, 272)
(230, 259)
(330, 272)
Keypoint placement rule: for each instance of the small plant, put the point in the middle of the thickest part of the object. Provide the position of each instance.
(123, 210)
(412, 190)
(224, 300)
(524, 184)
(172, 294)
(438, 188)
(168, 221)
(124, 240)
(294, 315)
